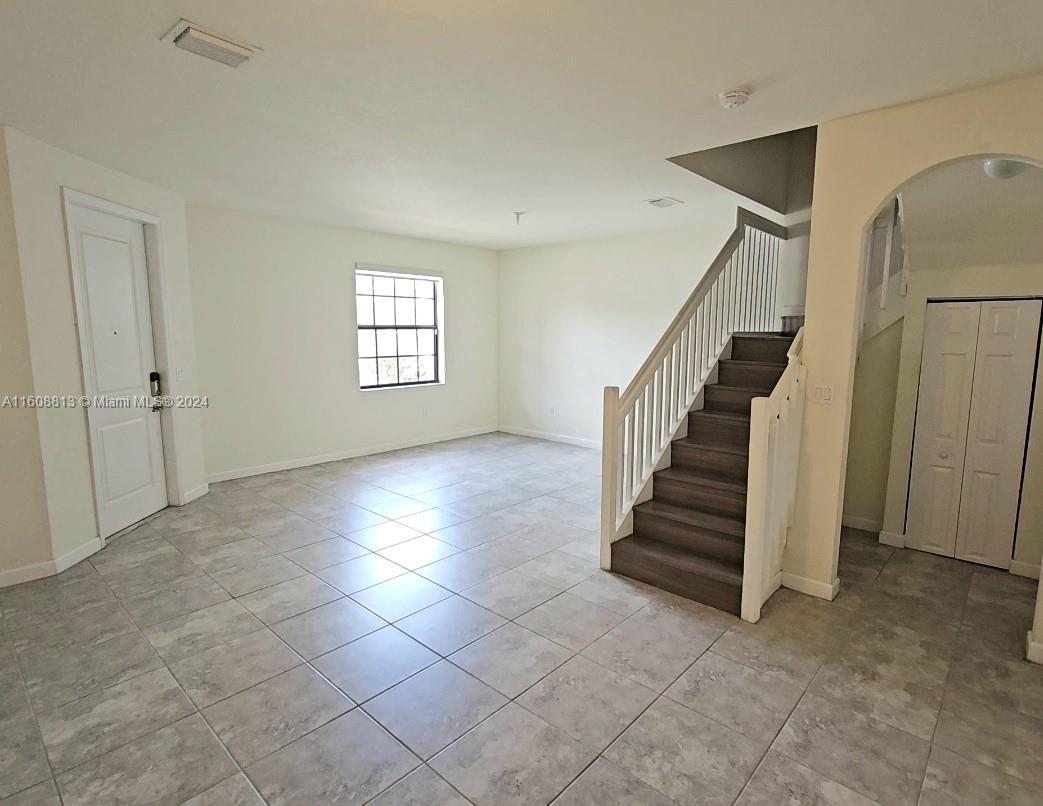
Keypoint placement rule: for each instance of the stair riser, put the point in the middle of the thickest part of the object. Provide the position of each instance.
(737, 400)
(703, 542)
(691, 586)
(703, 499)
(752, 348)
(730, 465)
(715, 432)
(755, 377)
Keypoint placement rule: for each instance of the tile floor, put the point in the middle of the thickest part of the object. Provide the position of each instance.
(430, 626)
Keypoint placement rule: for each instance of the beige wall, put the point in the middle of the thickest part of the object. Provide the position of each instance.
(872, 416)
(24, 531)
(580, 316)
(37, 174)
(275, 320)
(979, 281)
(861, 161)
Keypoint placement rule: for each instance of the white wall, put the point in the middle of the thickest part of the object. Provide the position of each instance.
(37, 174)
(275, 320)
(580, 316)
(860, 163)
(872, 418)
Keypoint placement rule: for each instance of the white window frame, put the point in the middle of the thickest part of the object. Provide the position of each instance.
(439, 298)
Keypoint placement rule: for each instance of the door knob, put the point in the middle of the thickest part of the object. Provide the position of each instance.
(943, 454)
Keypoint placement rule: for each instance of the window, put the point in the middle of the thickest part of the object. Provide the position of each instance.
(398, 328)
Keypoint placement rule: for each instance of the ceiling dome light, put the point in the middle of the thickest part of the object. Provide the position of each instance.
(1003, 168)
(734, 97)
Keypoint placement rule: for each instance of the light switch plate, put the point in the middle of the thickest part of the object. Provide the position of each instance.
(823, 394)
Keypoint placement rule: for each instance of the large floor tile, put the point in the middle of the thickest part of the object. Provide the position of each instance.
(383, 535)
(513, 757)
(418, 552)
(111, 717)
(368, 666)
(401, 596)
(779, 780)
(657, 643)
(434, 707)
(874, 759)
(325, 553)
(747, 701)
(614, 592)
(686, 756)
(225, 670)
(511, 659)
(183, 597)
(325, 628)
(461, 571)
(168, 766)
(510, 551)
(422, 787)
(603, 783)
(559, 568)
(189, 635)
(346, 762)
(590, 703)
(274, 713)
(23, 761)
(43, 794)
(570, 621)
(954, 781)
(450, 624)
(289, 598)
(360, 573)
(234, 791)
(57, 675)
(510, 594)
(253, 574)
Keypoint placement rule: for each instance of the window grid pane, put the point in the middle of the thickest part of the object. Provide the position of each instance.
(398, 324)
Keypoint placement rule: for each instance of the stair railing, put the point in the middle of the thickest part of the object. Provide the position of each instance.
(737, 294)
(776, 422)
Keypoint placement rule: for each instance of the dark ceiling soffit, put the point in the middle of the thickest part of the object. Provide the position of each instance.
(776, 171)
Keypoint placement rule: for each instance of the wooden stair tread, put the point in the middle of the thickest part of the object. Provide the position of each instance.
(694, 518)
(753, 334)
(754, 363)
(688, 475)
(656, 551)
(758, 390)
(732, 450)
(734, 416)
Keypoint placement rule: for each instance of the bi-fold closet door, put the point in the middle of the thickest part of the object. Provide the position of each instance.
(972, 414)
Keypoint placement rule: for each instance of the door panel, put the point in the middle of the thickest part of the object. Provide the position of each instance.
(115, 327)
(1008, 336)
(942, 410)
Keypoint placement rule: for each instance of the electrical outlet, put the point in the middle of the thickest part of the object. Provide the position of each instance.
(179, 374)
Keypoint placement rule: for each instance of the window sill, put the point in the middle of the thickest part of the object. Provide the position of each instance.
(401, 386)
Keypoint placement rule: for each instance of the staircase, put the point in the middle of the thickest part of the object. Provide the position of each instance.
(689, 538)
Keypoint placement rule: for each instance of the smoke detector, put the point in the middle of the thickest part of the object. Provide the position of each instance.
(664, 201)
(735, 97)
(203, 42)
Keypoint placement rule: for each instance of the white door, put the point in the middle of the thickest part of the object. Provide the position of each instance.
(115, 329)
(942, 410)
(1008, 334)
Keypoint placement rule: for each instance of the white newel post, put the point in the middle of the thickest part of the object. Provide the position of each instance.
(609, 473)
(1035, 638)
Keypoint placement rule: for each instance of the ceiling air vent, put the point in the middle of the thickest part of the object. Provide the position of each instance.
(664, 201)
(196, 39)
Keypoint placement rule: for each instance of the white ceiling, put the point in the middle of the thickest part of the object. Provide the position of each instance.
(957, 217)
(439, 118)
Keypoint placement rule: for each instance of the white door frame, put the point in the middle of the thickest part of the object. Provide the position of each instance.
(161, 321)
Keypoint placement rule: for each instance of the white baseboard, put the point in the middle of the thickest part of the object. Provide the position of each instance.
(865, 524)
(528, 432)
(1033, 649)
(194, 493)
(1023, 569)
(48, 568)
(812, 587)
(892, 539)
(290, 464)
